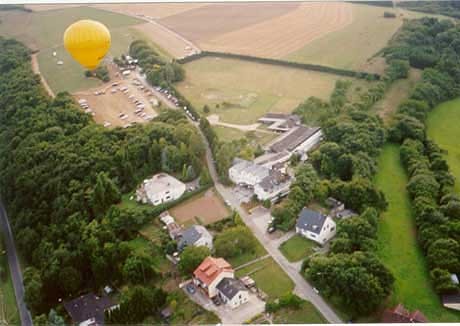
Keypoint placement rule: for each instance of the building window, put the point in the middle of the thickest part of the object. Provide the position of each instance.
(332, 229)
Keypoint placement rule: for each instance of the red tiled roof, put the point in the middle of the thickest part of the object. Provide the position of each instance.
(399, 314)
(210, 268)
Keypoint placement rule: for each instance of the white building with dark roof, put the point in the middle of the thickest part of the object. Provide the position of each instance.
(273, 187)
(159, 189)
(280, 122)
(196, 235)
(232, 292)
(299, 140)
(89, 309)
(247, 173)
(315, 226)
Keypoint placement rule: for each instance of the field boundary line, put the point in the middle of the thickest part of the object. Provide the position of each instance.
(283, 63)
(249, 263)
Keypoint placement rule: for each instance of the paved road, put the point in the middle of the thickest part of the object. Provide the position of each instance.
(15, 269)
(302, 288)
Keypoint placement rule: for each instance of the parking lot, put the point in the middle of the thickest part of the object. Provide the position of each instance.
(227, 315)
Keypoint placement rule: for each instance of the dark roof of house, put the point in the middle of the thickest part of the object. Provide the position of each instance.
(88, 306)
(451, 298)
(311, 220)
(399, 314)
(273, 180)
(230, 287)
(294, 139)
(191, 235)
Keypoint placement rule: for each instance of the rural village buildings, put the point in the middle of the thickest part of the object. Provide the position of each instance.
(215, 276)
(315, 226)
(89, 309)
(159, 189)
(266, 175)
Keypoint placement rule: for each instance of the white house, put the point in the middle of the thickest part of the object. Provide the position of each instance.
(315, 226)
(196, 235)
(299, 140)
(159, 189)
(232, 292)
(247, 173)
(209, 274)
(273, 187)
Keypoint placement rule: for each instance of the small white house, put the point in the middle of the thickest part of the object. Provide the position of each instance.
(232, 292)
(159, 189)
(315, 226)
(196, 235)
(247, 173)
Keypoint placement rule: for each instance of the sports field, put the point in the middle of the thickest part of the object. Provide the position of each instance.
(248, 90)
(397, 243)
(205, 208)
(43, 31)
(443, 127)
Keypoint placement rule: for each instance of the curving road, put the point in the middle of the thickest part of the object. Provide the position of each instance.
(15, 269)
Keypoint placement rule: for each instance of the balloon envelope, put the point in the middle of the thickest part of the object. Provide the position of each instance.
(87, 41)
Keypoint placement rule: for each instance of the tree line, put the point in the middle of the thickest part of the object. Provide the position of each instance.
(433, 45)
(62, 175)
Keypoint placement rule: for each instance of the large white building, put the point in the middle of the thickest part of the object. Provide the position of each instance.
(299, 140)
(159, 189)
(273, 187)
(315, 226)
(247, 173)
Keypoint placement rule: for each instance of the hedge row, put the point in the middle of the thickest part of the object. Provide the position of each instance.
(278, 62)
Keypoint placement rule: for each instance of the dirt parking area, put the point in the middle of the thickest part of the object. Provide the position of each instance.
(207, 207)
(120, 103)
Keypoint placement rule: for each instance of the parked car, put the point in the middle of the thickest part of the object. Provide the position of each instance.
(271, 229)
(216, 300)
(191, 288)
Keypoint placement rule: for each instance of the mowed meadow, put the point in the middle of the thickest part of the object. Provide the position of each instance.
(240, 92)
(397, 243)
(43, 31)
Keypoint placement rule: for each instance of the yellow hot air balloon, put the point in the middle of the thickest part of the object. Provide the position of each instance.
(87, 41)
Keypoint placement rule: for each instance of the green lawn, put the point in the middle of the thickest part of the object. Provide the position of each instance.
(44, 30)
(306, 314)
(227, 134)
(397, 244)
(189, 313)
(7, 296)
(443, 127)
(269, 277)
(259, 251)
(248, 90)
(297, 248)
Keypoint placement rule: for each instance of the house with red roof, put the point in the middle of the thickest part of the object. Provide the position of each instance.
(210, 273)
(399, 314)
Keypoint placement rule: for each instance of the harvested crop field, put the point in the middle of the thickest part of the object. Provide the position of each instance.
(248, 90)
(206, 208)
(267, 30)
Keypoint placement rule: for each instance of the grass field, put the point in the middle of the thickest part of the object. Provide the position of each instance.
(258, 251)
(269, 277)
(297, 248)
(397, 244)
(228, 134)
(351, 46)
(44, 30)
(249, 90)
(306, 314)
(7, 295)
(443, 127)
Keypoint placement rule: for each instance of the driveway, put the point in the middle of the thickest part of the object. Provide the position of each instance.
(227, 315)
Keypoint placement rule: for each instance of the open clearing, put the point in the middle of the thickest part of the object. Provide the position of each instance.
(228, 134)
(269, 277)
(207, 208)
(399, 91)
(351, 46)
(248, 90)
(397, 243)
(297, 248)
(306, 314)
(7, 297)
(443, 127)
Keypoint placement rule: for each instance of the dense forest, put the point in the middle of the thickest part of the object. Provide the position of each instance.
(434, 46)
(60, 176)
